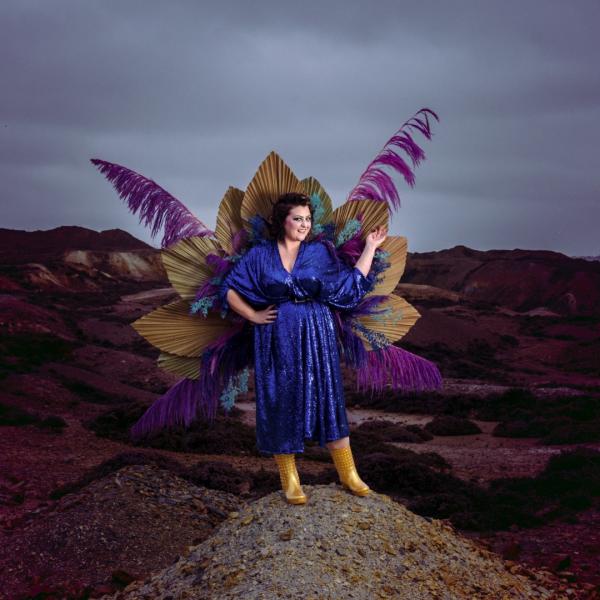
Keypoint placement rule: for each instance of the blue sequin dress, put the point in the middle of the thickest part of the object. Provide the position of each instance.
(298, 381)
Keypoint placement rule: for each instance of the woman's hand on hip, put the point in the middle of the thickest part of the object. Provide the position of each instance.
(262, 317)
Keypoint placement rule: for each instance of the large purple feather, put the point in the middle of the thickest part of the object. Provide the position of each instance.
(155, 205)
(398, 368)
(375, 183)
(178, 406)
(190, 398)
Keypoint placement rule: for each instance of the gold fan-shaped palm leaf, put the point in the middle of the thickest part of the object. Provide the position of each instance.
(185, 264)
(272, 179)
(374, 214)
(394, 318)
(396, 246)
(312, 186)
(173, 330)
(229, 218)
(179, 365)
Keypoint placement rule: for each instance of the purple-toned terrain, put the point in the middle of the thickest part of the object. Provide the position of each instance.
(508, 451)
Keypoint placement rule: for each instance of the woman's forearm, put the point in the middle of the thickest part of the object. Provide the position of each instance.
(239, 305)
(363, 264)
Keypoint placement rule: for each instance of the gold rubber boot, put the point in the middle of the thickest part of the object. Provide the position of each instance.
(344, 463)
(290, 482)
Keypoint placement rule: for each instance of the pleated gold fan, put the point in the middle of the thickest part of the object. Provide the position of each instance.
(374, 214)
(396, 246)
(183, 337)
(183, 366)
(393, 318)
(185, 264)
(312, 186)
(273, 179)
(173, 330)
(229, 218)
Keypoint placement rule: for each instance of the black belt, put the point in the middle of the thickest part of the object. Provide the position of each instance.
(298, 300)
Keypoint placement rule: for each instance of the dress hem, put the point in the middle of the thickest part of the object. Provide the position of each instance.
(322, 445)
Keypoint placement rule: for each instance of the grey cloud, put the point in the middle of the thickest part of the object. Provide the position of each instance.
(195, 94)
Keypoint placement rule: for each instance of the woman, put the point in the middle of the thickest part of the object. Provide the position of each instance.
(286, 287)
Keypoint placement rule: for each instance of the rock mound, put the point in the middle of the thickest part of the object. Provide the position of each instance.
(337, 546)
(141, 516)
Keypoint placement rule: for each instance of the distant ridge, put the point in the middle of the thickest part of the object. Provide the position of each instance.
(588, 257)
(518, 279)
(18, 246)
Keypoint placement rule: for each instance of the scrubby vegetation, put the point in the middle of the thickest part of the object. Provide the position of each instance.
(561, 419)
(569, 483)
(557, 420)
(15, 416)
(450, 425)
(24, 352)
(90, 393)
(226, 435)
(386, 431)
(12, 415)
(423, 481)
(222, 476)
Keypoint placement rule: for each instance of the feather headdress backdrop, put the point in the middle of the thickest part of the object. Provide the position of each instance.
(209, 345)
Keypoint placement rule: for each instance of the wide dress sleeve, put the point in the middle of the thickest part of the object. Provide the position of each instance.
(244, 278)
(342, 286)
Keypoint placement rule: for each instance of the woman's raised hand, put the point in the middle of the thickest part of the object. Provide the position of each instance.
(262, 317)
(376, 237)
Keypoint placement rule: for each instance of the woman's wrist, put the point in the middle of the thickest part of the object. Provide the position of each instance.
(247, 312)
(239, 305)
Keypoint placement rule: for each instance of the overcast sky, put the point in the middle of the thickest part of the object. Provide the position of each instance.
(195, 94)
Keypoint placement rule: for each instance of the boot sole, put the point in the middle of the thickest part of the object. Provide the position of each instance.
(356, 492)
(296, 500)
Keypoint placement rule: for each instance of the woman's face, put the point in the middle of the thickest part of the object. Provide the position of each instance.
(297, 223)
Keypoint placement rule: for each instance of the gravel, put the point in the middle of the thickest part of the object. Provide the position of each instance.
(339, 546)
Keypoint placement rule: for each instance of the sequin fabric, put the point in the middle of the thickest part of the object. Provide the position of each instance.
(297, 375)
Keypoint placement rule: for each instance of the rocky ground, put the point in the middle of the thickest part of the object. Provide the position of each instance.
(86, 514)
(117, 528)
(339, 546)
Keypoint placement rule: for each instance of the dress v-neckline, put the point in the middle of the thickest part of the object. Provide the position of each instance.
(300, 249)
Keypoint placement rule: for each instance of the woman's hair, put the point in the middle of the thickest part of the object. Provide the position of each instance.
(281, 209)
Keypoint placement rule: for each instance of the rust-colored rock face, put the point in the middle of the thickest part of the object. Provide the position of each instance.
(76, 259)
(18, 246)
(521, 280)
